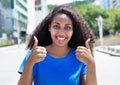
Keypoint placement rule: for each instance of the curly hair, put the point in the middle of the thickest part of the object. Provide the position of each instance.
(81, 29)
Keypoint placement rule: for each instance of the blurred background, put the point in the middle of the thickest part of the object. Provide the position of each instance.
(18, 19)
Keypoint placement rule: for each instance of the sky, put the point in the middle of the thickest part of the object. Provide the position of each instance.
(58, 2)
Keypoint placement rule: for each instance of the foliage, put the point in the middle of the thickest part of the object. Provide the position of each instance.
(111, 17)
(91, 13)
(114, 14)
(50, 7)
(5, 43)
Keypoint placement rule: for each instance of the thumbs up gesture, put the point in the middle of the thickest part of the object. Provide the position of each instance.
(38, 53)
(84, 54)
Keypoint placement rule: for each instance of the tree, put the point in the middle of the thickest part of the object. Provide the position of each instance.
(50, 7)
(90, 13)
(111, 17)
(114, 16)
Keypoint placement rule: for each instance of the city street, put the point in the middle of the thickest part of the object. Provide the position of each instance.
(108, 69)
(10, 59)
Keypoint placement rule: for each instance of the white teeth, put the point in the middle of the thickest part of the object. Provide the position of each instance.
(60, 38)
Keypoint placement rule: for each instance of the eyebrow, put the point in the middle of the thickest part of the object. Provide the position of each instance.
(55, 22)
(59, 23)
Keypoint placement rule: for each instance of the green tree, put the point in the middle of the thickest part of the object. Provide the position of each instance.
(90, 13)
(114, 16)
(111, 17)
(50, 7)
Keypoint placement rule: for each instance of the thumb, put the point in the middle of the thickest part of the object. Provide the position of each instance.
(87, 43)
(35, 42)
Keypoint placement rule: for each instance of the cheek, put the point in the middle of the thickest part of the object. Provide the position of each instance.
(52, 32)
(71, 34)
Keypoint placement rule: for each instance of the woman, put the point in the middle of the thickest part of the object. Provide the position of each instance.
(60, 51)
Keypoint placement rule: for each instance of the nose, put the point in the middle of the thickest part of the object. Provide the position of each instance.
(61, 31)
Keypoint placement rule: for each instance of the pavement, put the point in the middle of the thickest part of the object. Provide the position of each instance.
(111, 50)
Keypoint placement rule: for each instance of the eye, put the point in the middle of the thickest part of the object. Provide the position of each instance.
(56, 27)
(68, 28)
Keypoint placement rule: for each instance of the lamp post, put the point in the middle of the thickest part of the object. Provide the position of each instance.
(100, 24)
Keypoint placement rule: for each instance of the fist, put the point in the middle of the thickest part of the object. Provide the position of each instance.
(38, 53)
(84, 54)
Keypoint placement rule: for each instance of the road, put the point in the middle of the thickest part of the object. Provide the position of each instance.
(108, 69)
(10, 59)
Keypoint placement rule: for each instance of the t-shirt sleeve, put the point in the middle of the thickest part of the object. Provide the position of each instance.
(84, 69)
(21, 68)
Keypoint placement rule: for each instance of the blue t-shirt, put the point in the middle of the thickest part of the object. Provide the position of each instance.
(57, 71)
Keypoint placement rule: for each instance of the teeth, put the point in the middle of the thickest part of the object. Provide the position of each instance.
(60, 38)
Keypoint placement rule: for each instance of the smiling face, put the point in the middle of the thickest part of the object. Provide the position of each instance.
(61, 30)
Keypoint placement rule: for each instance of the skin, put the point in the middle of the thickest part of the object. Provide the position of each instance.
(61, 30)
(84, 54)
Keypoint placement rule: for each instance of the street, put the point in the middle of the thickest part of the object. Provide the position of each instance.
(108, 69)
(10, 59)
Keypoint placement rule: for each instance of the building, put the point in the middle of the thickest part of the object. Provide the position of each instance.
(1, 17)
(20, 18)
(31, 17)
(41, 10)
(5, 16)
(114, 3)
(105, 4)
(14, 17)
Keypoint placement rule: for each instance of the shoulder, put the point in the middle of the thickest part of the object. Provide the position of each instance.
(72, 51)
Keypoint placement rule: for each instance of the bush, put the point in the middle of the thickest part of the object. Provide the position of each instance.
(5, 43)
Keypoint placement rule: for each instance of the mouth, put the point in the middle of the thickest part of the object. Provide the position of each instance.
(61, 39)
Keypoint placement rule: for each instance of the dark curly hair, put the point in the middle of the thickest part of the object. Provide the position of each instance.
(81, 30)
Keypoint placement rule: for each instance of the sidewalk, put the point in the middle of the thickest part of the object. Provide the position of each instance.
(111, 50)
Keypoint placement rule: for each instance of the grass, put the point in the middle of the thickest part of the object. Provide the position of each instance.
(111, 37)
(109, 40)
(5, 43)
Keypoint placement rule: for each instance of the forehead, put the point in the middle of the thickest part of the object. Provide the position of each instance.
(62, 18)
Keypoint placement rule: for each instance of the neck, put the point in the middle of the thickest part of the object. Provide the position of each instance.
(57, 52)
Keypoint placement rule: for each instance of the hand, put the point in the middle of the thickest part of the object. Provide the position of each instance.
(38, 53)
(84, 54)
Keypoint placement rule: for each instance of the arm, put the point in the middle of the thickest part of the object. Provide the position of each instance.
(26, 77)
(38, 54)
(84, 54)
(84, 79)
(91, 74)
(90, 77)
